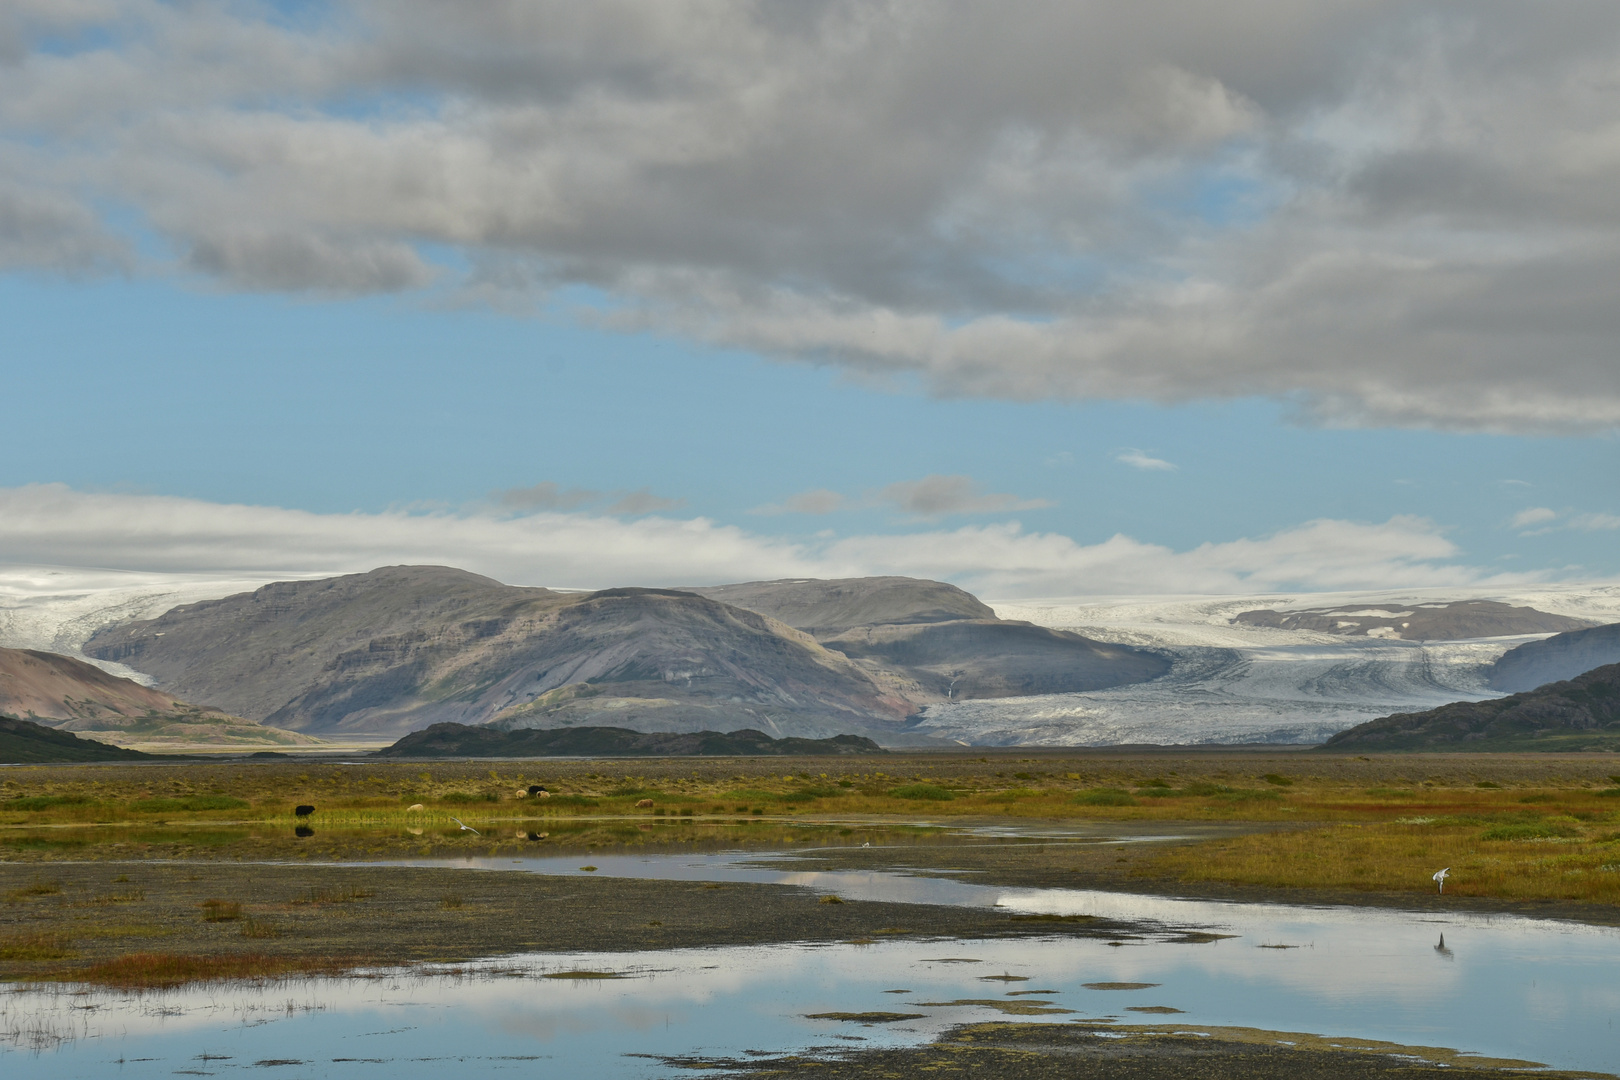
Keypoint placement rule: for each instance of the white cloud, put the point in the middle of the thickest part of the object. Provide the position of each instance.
(1137, 459)
(52, 524)
(1595, 522)
(1375, 210)
(1533, 516)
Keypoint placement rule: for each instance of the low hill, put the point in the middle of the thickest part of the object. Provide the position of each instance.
(1457, 620)
(1582, 713)
(1562, 656)
(69, 694)
(23, 742)
(459, 740)
(399, 648)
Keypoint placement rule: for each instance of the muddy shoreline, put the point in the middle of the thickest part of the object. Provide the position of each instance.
(1015, 1051)
(379, 915)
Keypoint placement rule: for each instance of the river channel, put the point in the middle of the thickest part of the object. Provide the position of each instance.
(1499, 986)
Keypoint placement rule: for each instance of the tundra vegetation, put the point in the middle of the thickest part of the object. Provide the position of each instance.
(1515, 830)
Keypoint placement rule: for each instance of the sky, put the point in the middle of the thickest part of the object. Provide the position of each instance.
(1058, 299)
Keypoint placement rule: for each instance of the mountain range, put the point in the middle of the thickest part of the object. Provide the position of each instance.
(401, 648)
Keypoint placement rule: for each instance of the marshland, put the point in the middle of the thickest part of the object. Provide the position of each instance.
(197, 879)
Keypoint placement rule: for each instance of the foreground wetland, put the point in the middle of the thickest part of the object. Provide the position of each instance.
(156, 907)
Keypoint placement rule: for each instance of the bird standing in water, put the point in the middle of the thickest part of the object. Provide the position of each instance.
(1440, 878)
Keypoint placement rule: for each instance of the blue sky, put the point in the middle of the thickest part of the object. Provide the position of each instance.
(332, 406)
(1193, 295)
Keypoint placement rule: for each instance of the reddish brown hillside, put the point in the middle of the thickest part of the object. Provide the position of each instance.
(45, 686)
(72, 695)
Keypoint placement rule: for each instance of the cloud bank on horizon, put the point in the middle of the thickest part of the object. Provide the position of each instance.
(51, 524)
(1389, 213)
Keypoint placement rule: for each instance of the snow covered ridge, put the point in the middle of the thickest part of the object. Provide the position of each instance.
(1208, 620)
(1229, 682)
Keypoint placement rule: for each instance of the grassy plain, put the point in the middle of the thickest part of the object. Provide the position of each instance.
(1515, 830)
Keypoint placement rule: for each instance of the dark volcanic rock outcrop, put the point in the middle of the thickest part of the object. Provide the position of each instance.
(1562, 656)
(459, 740)
(1582, 713)
(1455, 621)
(25, 742)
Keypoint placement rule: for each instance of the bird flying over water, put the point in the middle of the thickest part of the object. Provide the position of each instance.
(466, 826)
(1440, 878)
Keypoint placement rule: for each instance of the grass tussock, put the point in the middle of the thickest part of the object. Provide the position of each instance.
(259, 930)
(924, 792)
(159, 971)
(36, 946)
(221, 911)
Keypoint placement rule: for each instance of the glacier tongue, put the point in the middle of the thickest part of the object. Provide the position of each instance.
(1279, 694)
(1232, 683)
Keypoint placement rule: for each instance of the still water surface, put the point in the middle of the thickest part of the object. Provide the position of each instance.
(1500, 986)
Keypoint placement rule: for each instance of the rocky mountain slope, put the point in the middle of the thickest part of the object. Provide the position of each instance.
(1562, 656)
(1582, 713)
(400, 648)
(824, 607)
(69, 694)
(1457, 620)
(23, 742)
(947, 642)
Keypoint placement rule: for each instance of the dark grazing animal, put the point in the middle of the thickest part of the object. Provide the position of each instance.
(535, 789)
(303, 811)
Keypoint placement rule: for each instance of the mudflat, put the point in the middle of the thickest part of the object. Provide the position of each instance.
(1012, 1051)
(69, 920)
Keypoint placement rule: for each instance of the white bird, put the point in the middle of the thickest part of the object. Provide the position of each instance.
(867, 844)
(466, 826)
(1440, 878)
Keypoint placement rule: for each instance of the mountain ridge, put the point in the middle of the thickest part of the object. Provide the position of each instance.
(399, 648)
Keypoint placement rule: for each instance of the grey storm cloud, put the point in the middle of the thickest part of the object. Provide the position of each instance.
(1398, 212)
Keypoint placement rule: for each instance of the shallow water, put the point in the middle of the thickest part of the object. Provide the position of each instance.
(1500, 986)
